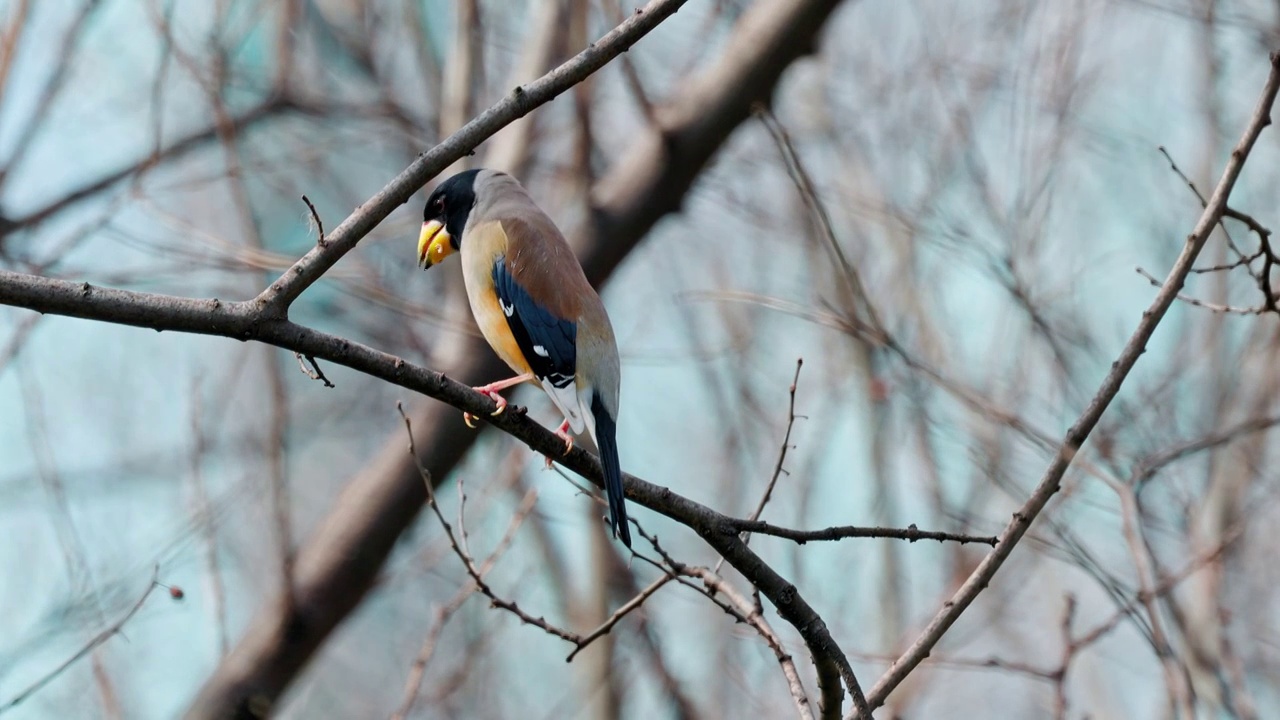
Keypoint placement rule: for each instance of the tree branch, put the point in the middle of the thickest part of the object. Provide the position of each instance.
(1079, 432)
(268, 109)
(740, 608)
(245, 321)
(841, 532)
(97, 640)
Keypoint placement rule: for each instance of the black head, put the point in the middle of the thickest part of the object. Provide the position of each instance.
(451, 203)
(445, 217)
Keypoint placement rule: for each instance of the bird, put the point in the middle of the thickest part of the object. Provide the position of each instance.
(535, 308)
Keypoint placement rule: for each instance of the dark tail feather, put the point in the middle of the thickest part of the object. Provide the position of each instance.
(607, 440)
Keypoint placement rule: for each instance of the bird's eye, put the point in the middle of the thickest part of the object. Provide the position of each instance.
(439, 205)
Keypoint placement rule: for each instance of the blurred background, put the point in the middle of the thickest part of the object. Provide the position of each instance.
(993, 172)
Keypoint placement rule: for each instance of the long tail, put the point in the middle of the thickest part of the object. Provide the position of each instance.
(607, 440)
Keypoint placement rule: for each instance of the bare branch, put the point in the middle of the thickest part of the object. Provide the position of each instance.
(459, 548)
(441, 614)
(743, 609)
(782, 453)
(841, 532)
(1174, 673)
(1149, 466)
(315, 218)
(618, 614)
(1228, 309)
(268, 109)
(93, 644)
(1079, 432)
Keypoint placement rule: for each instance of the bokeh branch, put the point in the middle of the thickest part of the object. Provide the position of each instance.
(102, 637)
(1079, 432)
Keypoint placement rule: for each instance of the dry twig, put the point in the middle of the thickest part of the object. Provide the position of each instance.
(93, 644)
(1079, 432)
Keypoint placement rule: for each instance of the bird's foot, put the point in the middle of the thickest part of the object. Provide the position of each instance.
(562, 432)
(469, 419)
(491, 391)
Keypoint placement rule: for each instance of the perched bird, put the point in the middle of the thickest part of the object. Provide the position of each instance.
(534, 306)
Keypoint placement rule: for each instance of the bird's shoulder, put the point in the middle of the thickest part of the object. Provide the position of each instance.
(541, 261)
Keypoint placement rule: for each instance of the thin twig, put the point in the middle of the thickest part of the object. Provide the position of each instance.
(315, 218)
(618, 614)
(1175, 676)
(1228, 309)
(93, 644)
(1149, 466)
(841, 532)
(314, 372)
(1199, 196)
(462, 515)
(1079, 432)
(17, 340)
(441, 614)
(1161, 588)
(1269, 258)
(205, 520)
(743, 609)
(858, 298)
(782, 453)
(418, 670)
(477, 576)
(1069, 649)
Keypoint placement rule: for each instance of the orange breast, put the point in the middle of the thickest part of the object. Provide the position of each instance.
(494, 327)
(482, 245)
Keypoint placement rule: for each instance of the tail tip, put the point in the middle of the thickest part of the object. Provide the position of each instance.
(621, 531)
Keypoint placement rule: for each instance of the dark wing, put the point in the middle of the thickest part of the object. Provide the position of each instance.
(549, 343)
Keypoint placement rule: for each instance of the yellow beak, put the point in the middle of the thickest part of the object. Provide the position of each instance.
(434, 244)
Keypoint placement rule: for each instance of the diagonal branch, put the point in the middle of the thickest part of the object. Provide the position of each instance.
(740, 608)
(90, 646)
(244, 321)
(522, 100)
(1079, 432)
(268, 109)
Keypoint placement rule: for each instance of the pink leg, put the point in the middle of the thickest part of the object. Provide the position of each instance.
(563, 433)
(491, 391)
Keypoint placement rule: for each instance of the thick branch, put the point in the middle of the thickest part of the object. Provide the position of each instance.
(244, 321)
(1079, 432)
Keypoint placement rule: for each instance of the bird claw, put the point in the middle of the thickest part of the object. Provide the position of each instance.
(563, 433)
(493, 395)
(501, 401)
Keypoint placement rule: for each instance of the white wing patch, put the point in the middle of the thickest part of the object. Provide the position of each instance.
(567, 402)
(541, 351)
(507, 310)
